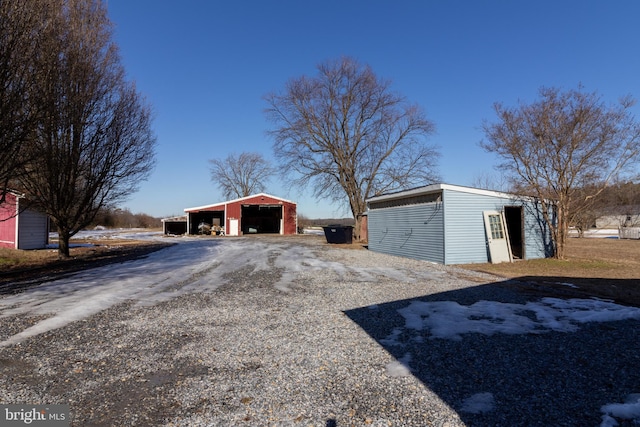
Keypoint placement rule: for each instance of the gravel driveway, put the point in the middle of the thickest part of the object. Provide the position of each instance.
(291, 331)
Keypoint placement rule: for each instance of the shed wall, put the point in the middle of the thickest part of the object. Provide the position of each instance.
(464, 231)
(537, 236)
(464, 226)
(22, 230)
(413, 231)
(33, 230)
(8, 222)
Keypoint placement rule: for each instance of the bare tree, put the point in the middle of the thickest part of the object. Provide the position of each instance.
(349, 136)
(490, 181)
(562, 145)
(94, 142)
(21, 33)
(242, 175)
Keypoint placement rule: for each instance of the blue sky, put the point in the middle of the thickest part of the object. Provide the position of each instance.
(205, 66)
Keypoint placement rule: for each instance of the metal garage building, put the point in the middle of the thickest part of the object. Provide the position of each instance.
(256, 214)
(22, 228)
(450, 224)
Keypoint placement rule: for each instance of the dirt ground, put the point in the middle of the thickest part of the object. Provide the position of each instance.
(594, 267)
(605, 268)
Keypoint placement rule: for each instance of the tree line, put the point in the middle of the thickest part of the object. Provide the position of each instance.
(124, 218)
(75, 134)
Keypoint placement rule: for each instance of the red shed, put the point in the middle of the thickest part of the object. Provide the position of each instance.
(256, 214)
(22, 228)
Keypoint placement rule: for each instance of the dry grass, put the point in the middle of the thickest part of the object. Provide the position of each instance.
(11, 259)
(607, 268)
(20, 269)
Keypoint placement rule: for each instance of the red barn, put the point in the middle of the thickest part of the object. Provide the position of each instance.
(22, 228)
(257, 214)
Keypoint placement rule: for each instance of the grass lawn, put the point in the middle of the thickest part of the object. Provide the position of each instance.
(606, 268)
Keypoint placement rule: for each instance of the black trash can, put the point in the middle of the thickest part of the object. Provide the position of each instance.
(338, 233)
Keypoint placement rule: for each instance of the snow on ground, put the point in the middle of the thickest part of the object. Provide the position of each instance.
(200, 265)
(450, 320)
(630, 410)
(603, 233)
(101, 233)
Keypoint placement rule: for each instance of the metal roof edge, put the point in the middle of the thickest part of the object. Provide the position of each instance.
(432, 188)
(406, 193)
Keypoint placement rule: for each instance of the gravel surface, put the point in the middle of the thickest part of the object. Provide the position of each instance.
(292, 331)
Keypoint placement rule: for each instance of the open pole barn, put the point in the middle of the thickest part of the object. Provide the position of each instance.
(20, 227)
(256, 214)
(176, 225)
(450, 224)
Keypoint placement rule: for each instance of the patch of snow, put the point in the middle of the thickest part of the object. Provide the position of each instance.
(630, 410)
(570, 285)
(449, 320)
(399, 368)
(478, 403)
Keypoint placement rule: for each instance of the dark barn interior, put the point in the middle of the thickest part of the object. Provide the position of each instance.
(259, 219)
(210, 218)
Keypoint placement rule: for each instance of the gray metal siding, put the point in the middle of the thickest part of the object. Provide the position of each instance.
(413, 231)
(537, 236)
(464, 227)
(32, 230)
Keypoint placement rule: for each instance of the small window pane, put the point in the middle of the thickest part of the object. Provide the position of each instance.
(496, 227)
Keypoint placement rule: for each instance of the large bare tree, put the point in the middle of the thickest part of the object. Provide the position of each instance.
(564, 148)
(349, 136)
(21, 34)
(241, 175)
(94, 142)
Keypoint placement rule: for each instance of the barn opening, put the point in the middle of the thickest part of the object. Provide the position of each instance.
(513, 216)
(210, 218)
(175, 227)
(261, 219)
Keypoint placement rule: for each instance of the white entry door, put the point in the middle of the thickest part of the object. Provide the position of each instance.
(497, 237)
(233, 227)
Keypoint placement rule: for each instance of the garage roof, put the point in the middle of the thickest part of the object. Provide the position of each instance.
(221, 205)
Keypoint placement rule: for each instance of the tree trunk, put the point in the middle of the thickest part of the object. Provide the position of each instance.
(63, 244)
(358, 207)
(561, 232)
(356, 227)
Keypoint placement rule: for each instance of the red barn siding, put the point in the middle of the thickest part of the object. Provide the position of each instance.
(290, 219)
(234, 211)
(8, 222)
(22, 228)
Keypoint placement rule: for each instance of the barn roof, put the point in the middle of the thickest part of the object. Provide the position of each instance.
(221, 204)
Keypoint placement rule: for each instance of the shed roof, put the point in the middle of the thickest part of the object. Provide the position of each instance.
(221, 204)
(434, 188)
